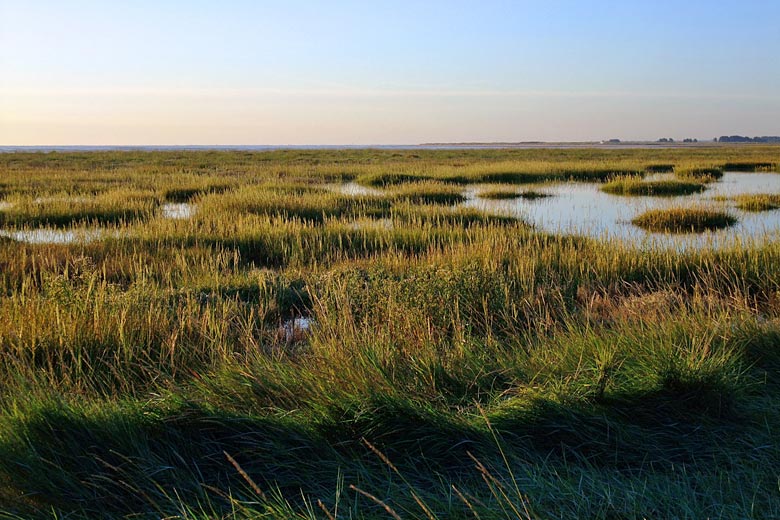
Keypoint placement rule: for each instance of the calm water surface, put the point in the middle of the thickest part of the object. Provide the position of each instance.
(52, 236)
(581, 208)
(178, 210)
(354, 189)
(572, 208)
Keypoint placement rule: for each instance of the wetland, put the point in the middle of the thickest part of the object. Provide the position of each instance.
(357, 333)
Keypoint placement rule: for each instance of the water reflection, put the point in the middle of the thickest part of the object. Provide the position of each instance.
(354, 189)
(177, 210)
(581, 208)
(52, 236)
(296, 329)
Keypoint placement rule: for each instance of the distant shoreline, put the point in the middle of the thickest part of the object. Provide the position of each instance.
(421, 146)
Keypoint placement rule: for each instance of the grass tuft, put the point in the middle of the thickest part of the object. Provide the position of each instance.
(661, 188)
(757, 202)
(683, 220)
(698, 173)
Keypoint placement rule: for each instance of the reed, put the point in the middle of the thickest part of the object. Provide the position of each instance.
(757, 202)
(660, 188)
(684, 220)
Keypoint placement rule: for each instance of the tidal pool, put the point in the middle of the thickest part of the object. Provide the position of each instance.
(52, 236)
(177, 210)
(354, 189)
(296, 329)
(581, 208)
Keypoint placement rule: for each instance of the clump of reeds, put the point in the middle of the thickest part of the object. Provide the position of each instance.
(683, 220)
(750, 166)
(660, 188)
(757, 202)
(699, 173)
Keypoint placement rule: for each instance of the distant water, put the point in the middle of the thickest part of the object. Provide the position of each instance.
(267, 148)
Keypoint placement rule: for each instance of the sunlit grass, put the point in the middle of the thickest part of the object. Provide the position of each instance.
(63, 210)
(683, 220)
(459, 364)
(660, 188)
(757, 202)
(699, 173)
(428, 193)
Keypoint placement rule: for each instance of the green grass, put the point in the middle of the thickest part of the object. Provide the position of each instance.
(428, 193)
(459, 365)
(63, 210)
(683, 220)
(661, 188)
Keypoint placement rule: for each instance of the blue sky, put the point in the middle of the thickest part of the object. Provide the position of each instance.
(359, 72)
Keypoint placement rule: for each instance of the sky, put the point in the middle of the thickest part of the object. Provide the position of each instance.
(171, 72)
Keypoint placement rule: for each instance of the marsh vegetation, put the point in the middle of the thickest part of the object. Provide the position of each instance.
(684, 220)
(659, 188)
(758, 202)
(293, 346)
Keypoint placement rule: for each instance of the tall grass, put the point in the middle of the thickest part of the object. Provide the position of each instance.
(458, 365)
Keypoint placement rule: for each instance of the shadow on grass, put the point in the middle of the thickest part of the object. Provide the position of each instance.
(135, 458)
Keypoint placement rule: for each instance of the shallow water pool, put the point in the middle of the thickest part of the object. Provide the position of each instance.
(178, 210)
(581, 208)
(52, 236)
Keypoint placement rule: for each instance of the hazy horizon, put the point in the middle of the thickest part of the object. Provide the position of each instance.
(353, 73)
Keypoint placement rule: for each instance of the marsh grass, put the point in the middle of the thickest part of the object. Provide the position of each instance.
(62, 210)
(699, 173)
(307, 205)
(659, 188)
(506, 172)
(428, 193)
(757, 202)
(684, 220)
(462, 365)
(659, 168)
(750, 166)
(192, 192)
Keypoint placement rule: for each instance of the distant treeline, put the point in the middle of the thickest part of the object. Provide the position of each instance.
(745, 139)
